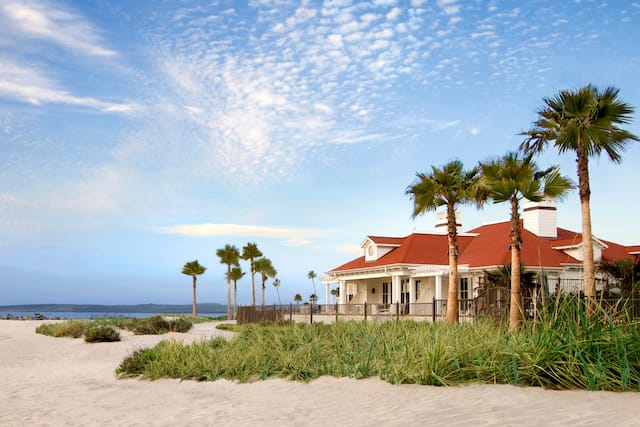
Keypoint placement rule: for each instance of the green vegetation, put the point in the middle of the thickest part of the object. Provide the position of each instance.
(101, 333)
(565, 349)
(72, 329)
(99, 327)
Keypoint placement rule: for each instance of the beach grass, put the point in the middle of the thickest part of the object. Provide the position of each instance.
(566, 348)
(154, 325)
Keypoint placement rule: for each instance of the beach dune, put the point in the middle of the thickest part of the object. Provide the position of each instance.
(62, 381)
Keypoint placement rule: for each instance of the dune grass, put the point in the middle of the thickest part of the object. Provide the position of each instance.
(565, 349)
(99, 327)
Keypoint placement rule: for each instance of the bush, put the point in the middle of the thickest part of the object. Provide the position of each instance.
(101, 333)
(157, 325)
(71, 328)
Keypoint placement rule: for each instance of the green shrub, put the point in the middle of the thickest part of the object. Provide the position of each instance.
(101, 333)
(71, 328)
(157, 325)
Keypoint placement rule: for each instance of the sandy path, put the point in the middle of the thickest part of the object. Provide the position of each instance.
(66, 382)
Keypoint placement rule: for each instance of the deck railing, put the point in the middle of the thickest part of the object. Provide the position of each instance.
(434, 311)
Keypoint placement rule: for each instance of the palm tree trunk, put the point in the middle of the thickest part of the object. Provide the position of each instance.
(194, 311)
(253, 285)
(263, 293)
(228, 291)
(587, 237)
(235, 299)
(515, 311)
(452, 298)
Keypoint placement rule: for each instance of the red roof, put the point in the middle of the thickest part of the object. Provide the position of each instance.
(485, 246)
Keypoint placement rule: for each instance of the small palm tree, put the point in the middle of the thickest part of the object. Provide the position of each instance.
(312, 275)
(276, 284)
(511, 179)
(297, 298)
(235, 275)
(626, 273)
(448, 186)
(229, 255)
(250, 252)
(335, 293)
(266, 270)
(194, 269)
(313, 298)
(585, 121)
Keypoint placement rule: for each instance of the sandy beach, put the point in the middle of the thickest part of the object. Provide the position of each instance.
(67, 382)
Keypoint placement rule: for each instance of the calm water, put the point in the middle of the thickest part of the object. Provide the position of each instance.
(92, 315)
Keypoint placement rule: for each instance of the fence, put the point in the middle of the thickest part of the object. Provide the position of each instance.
(496, 307)
(432, 311)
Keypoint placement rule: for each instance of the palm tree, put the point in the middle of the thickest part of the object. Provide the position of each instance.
(266, 270)
(235, 275)
(335, 293)
(511, 179)
(229, 255)
(250, 252)
(313, 298)
(312, 275)
(627, 274)
(448, 186)
(585, 121)
(297, 298)
(194, 269)
(276, 284)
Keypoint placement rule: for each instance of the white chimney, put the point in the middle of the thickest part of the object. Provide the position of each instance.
(541, 218)
(441, 221)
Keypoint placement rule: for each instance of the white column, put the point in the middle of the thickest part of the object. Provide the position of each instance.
(343, 292)
(396, 289)
(438, 287)
(326, 294)
(412, 295)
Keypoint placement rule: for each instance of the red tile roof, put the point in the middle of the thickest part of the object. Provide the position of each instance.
(485, 246)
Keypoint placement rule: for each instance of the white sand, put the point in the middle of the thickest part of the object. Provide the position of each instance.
(66, 382)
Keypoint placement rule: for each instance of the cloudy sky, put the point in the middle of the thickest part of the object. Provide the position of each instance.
(137, 136)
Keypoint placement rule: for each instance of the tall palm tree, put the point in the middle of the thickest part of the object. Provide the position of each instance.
(229, 255)
(250, 252)
(312, 275)
(235, 275)
(194, 269)
(266, 270)
(585, 121)
(511, 179)
(297, 298)
(276, 284)
(448, 186)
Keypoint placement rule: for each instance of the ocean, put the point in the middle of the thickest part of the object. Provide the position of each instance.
(93, 315)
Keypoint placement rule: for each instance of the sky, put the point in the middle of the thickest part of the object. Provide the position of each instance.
(138, 136)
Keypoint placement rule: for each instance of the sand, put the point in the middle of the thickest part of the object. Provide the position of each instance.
(66, 382)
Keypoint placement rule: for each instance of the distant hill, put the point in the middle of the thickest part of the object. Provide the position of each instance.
(139, 308)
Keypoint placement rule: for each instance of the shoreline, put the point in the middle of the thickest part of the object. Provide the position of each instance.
(64, 381)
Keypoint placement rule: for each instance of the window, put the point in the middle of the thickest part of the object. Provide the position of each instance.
(404, 291)
(386, 295)
(464, 288)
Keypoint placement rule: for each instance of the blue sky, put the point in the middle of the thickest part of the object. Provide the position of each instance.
(137, 136)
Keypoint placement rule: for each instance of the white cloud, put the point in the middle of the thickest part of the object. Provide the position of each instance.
(38, 20)
(393, 14)
(30, 85)
(293, 236)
